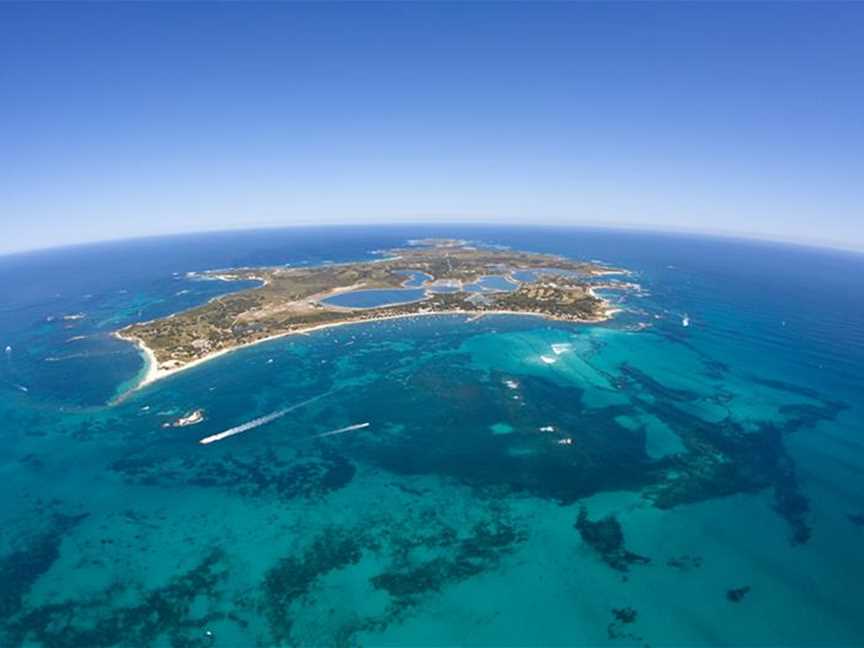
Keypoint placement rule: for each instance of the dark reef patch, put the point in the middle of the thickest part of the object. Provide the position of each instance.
(654, 387)
(115, 427)
(714, 368)
(254, 473)
(164, 611)
(607, 539)
(737, 594)
(625, 615)
(444, 432)
(802, 415)
(790, 388)
(856, 518)
(789, 502)
(21, 568)
(292, 578)
(727, 458)
(723, 459)
(423, 554)
(481, 550)
(685, 562)
(32, 461)
(621, 617)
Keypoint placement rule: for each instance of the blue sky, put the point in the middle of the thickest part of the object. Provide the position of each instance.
(130, 119)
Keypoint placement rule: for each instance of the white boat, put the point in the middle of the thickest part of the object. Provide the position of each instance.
(192, 418)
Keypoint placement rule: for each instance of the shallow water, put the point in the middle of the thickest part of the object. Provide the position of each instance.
(729, 453)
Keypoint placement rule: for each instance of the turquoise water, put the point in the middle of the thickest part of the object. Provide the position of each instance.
(520, 482)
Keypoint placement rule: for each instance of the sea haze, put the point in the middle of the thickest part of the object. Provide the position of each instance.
(688, 473)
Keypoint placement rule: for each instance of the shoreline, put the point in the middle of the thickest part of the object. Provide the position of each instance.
(154, 373)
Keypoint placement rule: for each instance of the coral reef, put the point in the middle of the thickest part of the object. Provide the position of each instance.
(737, 594)
(478, 552)
(23, 567)
(625, 615)
(622, 616)
(262, 472)
(291, 578)
(163, 611)
(607, 539)
(685, 562)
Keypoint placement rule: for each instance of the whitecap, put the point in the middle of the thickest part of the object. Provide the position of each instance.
(562, 347)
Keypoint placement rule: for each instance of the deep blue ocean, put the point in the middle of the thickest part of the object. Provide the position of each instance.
(520, 481)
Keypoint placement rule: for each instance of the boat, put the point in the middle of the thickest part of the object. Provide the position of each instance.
(192, 418)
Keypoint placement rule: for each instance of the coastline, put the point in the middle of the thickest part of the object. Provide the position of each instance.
(154, 373)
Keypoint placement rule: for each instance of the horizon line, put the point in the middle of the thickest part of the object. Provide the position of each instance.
(619, 227)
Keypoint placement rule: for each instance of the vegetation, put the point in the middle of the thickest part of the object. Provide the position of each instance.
(292, 299)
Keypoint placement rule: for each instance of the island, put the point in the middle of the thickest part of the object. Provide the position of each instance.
(427, 277)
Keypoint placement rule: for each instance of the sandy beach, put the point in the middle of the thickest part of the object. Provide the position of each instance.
(155, 373)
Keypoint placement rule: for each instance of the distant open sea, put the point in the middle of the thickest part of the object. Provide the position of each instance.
(519, 482)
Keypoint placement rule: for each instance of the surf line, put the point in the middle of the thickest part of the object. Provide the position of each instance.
(258, 422)
(348, 428)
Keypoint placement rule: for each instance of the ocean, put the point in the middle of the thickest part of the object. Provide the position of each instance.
(689, 473)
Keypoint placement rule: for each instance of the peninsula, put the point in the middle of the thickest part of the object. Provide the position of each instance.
(432, 276)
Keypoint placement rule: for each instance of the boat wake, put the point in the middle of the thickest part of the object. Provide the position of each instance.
(258, 422)
(348, 428)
